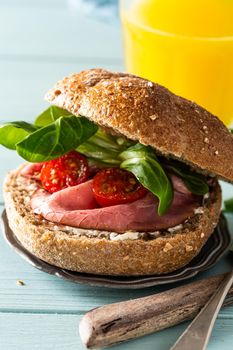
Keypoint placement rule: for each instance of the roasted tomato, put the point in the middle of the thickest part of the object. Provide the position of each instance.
(114, 186)
(68, 170)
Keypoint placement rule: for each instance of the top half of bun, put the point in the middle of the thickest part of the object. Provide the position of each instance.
(147, 112)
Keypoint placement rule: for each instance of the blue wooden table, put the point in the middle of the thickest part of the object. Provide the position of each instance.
(40, 42)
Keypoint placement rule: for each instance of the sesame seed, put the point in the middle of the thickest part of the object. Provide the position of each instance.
(206, 140)
(150, 83)
(216, 152)
(202, 235)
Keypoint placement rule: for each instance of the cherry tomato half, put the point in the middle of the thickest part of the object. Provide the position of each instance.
(114, 186)
(68, 170)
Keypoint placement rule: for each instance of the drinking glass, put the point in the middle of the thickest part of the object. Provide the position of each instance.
(186, 46)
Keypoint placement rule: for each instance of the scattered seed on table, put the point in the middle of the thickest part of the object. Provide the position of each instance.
(20, 283)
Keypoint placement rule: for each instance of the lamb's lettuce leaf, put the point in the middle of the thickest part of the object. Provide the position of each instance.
(104, 148)
(56, 132)
(228, 205)
(50, 115)
(143, 163)
(13, 132)
(195, 183)
(136, 158)
(52, 141)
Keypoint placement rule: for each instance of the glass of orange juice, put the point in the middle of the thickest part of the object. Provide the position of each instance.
(185, 45)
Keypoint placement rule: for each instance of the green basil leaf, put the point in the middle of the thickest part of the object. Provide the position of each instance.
(50, 115)
(142, 162)
(228, 205)
(13, 132)
(52, 141)
(195, 183)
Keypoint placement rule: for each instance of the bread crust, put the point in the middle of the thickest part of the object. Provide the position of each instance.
(52, 244)
(147, 112)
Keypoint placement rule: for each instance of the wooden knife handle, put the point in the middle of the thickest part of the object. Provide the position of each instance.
(113, 323)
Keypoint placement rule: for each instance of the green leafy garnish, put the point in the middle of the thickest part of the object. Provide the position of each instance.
(56, 132)
(104, 148)
(195, 183)
(143, 163)
(228, 205)
(107, 150)
(61, 136)
(50, 115)
(13, 132)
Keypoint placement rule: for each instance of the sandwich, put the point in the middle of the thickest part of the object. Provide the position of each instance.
(121, 176)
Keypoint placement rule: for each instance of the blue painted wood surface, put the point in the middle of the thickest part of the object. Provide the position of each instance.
(40, 42)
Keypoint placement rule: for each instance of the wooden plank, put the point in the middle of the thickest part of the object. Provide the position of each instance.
(40, 43)
(23, 85)
(30, 331)
(57, 31)
(33, 4)
(46, 331)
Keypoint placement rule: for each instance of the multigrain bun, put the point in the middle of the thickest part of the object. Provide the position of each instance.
(147, 112)
(94, 251)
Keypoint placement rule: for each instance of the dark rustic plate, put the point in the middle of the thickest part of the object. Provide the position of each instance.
(216, 246)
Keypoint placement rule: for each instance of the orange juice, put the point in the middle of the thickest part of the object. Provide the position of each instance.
(185, 45)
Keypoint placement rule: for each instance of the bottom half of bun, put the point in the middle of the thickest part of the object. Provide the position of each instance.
(90, 252)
